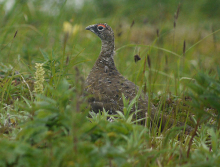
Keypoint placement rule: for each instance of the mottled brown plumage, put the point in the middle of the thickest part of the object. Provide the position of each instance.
(106, 84)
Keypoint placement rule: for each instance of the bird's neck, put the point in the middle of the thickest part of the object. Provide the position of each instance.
(106, 54)
(107, 49)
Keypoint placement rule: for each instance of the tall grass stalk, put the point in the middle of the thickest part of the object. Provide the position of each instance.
(149, 90)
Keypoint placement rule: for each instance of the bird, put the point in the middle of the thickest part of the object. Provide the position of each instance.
(105, 84)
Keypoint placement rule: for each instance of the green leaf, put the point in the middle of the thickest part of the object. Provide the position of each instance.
(45, 55)
(214, 140)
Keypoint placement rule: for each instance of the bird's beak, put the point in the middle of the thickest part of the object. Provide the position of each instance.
(89, 27)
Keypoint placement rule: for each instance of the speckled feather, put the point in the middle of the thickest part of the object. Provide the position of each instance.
(106, 84)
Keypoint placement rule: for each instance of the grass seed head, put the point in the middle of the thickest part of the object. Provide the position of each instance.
(39, 78)
(136, 58)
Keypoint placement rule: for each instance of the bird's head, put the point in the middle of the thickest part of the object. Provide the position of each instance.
(102, 30)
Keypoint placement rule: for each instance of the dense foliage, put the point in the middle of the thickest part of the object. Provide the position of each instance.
(46, 54)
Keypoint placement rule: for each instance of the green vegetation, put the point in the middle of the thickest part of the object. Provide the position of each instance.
(179, 69)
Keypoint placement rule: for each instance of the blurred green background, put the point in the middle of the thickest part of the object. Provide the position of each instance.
(43, 25)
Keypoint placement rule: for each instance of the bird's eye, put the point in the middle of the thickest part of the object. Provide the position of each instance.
(100, 28)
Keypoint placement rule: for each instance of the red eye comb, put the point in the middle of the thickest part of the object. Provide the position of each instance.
(102, 25)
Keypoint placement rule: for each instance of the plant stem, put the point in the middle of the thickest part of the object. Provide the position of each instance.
(193, 135)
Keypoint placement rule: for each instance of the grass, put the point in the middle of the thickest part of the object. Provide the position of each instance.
(55, 128)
